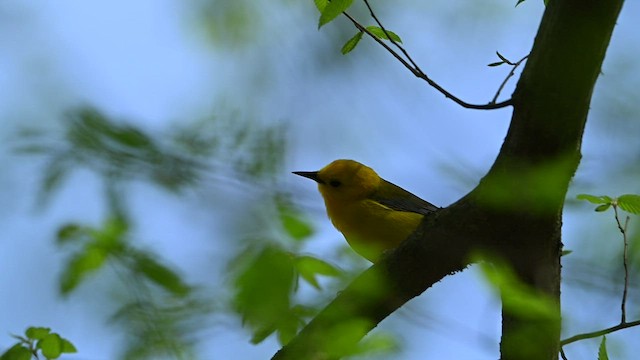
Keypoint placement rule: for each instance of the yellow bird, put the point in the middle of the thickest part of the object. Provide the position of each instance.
(373, 214)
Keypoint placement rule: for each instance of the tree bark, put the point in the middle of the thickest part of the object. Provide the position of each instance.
(515, 213)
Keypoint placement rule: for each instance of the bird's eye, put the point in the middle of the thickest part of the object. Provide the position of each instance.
(335, 183)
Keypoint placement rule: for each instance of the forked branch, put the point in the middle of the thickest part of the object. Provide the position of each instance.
(406, 60)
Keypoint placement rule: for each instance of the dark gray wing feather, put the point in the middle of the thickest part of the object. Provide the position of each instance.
(397, 198)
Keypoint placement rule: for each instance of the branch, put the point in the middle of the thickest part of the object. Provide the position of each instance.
(623, 231)
(415, 69)
(399, 276)
(598, 333)
(514, 66)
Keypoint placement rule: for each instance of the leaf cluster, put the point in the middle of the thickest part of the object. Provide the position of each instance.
(628, 202)
(95, 246)
(38, 341)
(266, 276)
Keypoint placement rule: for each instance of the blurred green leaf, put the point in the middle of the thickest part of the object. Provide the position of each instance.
(346, 332)
(17, 352)
(120, 150)
(517, 297)
(69, 232)
(233, 24)
(294, 225)
(602, 349)
(54, 173)
(132, 137)
(629, 203)
(506, 191)
(200, 139)
(321, 4)
(160, 274)
(37, 333)
(595, 199)
(81, 264)
(288, 328)
(351, 43)
(603, 207)
(308, 267)
(378, 343)
(261, 333)
(112, 232)
(379, 33)
(162, 326)
(51, 346)
(68, 347)
(263, 288)
(332, 10)
(265, 149)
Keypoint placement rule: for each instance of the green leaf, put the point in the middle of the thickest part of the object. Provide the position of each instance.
(308, 267)
(595, 199)
(37, 333)
(68, 233)
(602, 350)
(260, 334)
(332, 10)
(160, 274)
(565, 252)
(378, 343)
(132, 137)
(379, 33)
(518, 298)
(346, 331)
(17, 352)
(351, 43)
(112, 232)
(603, 207)
(287, 329)
(68, 347)
(54, 173)
(321, 4)
(90, 259)
(293, 223)
(629, 203)
(263, 289)
(51, 346)
(504, 59)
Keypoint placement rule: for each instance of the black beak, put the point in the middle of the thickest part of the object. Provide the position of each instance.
(313, 175)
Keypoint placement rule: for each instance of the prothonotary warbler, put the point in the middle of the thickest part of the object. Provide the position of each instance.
(373, 214)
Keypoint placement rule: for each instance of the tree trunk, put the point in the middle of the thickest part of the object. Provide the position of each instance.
(542, 148)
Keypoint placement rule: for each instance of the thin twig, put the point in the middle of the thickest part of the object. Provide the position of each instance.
(623, 230)
(562, 354)
(419, 74)
(406, 54)
(598, 333)
(511, 73)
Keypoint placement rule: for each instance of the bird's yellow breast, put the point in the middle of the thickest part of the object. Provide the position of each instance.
(369, 227)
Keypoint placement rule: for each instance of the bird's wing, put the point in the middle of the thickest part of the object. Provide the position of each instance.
(397, 198)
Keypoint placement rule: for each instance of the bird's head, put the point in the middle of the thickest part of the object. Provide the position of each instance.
(344, 180)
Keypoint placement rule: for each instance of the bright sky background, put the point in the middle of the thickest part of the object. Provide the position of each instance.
(153, 62)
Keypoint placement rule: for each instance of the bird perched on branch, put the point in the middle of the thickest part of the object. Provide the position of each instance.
(373, 214)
